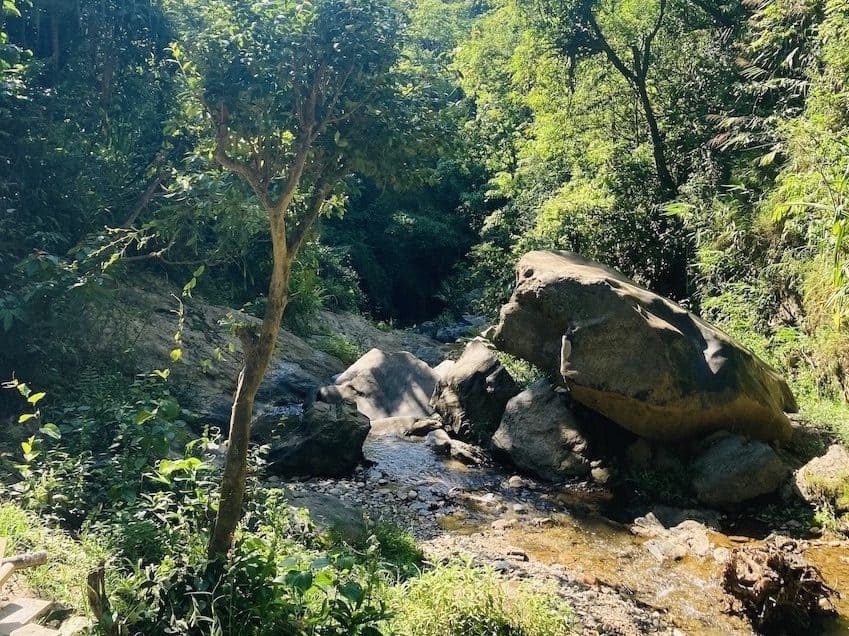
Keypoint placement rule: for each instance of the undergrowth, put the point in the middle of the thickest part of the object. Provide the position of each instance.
(461, 600)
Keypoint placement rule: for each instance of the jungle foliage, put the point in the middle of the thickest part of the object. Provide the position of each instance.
(700, 146)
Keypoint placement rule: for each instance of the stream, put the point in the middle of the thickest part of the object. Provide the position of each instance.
(483, 511)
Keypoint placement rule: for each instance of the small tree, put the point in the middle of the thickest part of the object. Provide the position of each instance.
(293, 97)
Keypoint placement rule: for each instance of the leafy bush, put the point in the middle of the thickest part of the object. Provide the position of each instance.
(460, 600)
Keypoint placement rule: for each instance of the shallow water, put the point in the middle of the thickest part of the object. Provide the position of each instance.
(588, 545)
(409, 459)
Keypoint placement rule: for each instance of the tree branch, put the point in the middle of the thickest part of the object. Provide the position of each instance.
(650, 38)
(301, 230)
(223, 142)
(617, 62)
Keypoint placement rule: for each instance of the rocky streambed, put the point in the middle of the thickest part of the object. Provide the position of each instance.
(620, 578)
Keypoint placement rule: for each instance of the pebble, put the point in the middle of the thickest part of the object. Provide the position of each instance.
(412, 494)
(503, 524)
(520, 509)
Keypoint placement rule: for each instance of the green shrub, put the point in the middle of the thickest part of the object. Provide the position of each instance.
(460, 600)
(522, 371)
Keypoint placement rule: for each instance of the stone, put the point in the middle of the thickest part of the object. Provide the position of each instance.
(687, 538)
(326, 442)
(443, 368)
(442, 444)
(421, 427)
(540, 433)
(471, 397)
(271, 420)
(387, 385)
(515, 482)
(732, 469)
(439, 441)
(825, 480)
(635, 357)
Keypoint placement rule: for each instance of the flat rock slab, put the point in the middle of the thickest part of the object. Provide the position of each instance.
(20, 611)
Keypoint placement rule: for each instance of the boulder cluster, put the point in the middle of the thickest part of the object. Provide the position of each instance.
(628, 381)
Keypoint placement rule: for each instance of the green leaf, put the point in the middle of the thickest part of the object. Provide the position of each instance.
(169, 409)
(301, 581)
(162, 373)
(176, 355)
(352, 591)
(10, 9)
(26, 417)
(35, 398)
(143, 416)
(51, 430)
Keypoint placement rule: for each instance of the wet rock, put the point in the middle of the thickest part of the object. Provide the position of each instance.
(442, 443)
(540, 433)
(421, 427)
(439, 441)
(471, 396)
(635, 357)
(327, 441)
(733, 469)
(825, 480)
(687, 538)
(387, 385)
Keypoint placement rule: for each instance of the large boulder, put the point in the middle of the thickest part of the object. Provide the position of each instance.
(386, 385)
(540, 433)
(825, 480)
(732, 469)
(472, 394)
(326, 442)
(640, 359)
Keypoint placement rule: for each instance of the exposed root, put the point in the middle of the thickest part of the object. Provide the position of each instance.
(776, 588)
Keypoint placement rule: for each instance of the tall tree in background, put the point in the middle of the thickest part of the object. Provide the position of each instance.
(292, 95)
(625, 34)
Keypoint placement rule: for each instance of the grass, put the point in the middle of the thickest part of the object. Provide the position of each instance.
(340, 347)
(63, 578)
(461, 600)
(828, 414)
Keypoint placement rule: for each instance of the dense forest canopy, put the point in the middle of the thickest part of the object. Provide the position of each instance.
(395, 159)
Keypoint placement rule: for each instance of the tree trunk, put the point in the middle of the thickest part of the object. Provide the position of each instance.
(664, 176)
(258, 349)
